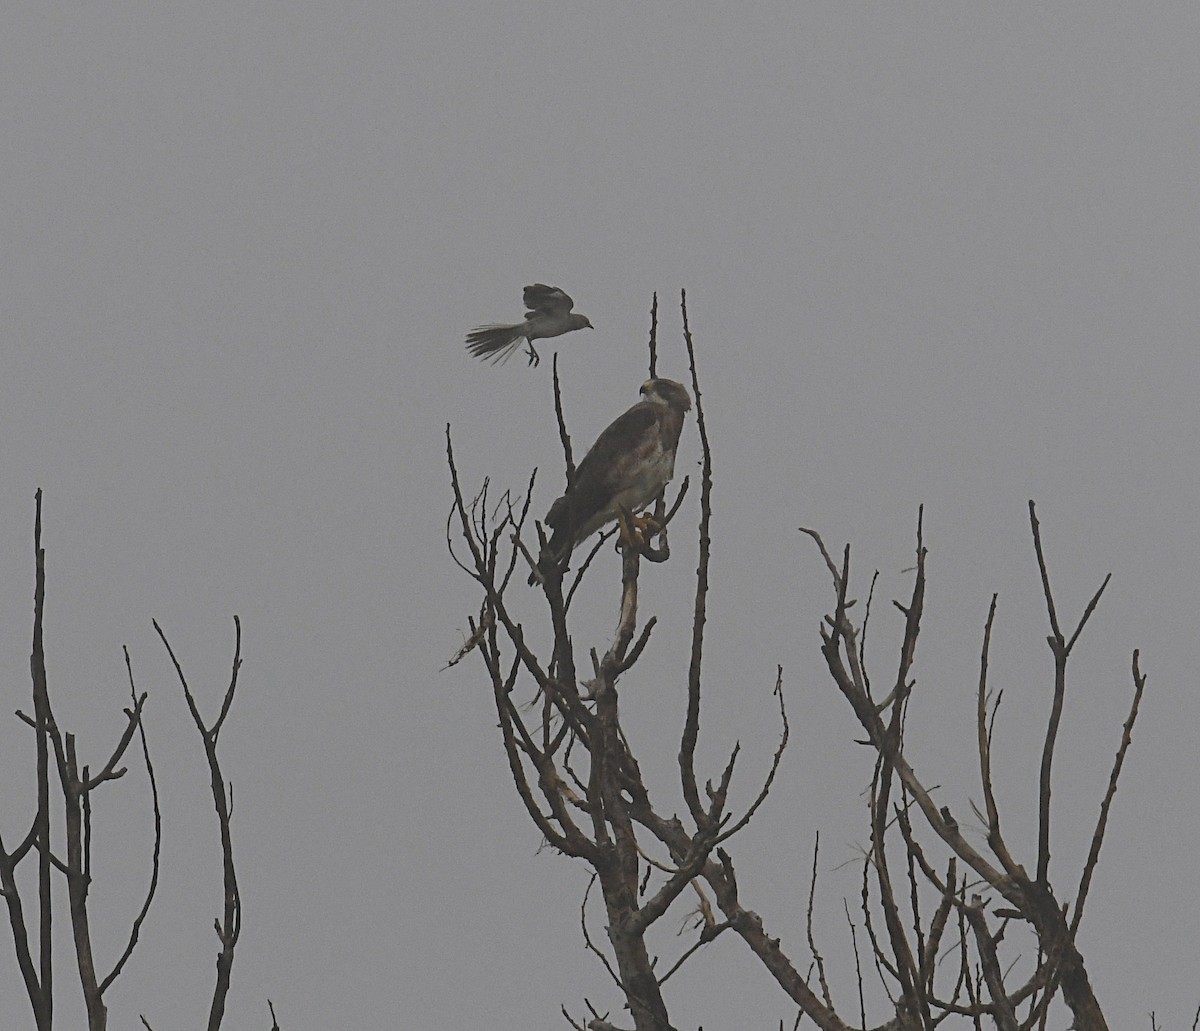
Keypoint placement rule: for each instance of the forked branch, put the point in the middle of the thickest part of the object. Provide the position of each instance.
(229, 925)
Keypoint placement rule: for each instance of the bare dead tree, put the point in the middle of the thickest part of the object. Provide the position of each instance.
(574, 771)
(998, 891)
(939, 927)
(77, 784)
(57, 759)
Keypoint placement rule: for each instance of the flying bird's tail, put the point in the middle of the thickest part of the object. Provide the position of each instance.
(496, 342)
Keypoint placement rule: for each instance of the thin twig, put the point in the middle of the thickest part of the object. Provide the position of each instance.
(587, 939)
(691, 727)
(154, 861)
(1058, 647)
(862, 1003)
(983, 733)
(812, 942)
(1089, 867)
(654, 336)
(562, 427)
(775, 761)
(1041, 559)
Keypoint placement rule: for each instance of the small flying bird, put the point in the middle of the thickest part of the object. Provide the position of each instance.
(549, 315)
(628, 467)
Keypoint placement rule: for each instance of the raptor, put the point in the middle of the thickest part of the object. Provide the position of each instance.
(626, 469)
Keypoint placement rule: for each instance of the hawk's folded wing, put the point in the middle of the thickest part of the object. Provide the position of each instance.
(606, 475)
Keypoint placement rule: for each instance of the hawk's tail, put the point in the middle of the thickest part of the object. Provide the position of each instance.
(557, 551)
(495, 342)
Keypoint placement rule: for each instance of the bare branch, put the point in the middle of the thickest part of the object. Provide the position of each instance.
(563, 435)
(16, 919)
(812, 943)
(691, 726)
(657, 904)
(1087, 612)
(912, 624)
(639, 647)
(587, 938)
(983, 746)
(937, 927)
(862, 1004)
(691, 951)
(654, 336)
(884, 739)
(1058, 647)
(778, 758)
(1061, 650)
(603, 538)
(570, 838)
(833, 569)
(1089, 867)
(41, 987)
(518, 525)
(229, 925)
(110, 772)
(862, 638)
(1002, 1010)
(154, 862)
(1041, 558)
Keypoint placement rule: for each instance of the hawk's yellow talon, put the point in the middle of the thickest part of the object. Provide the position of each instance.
(637, 530)
(628, 537)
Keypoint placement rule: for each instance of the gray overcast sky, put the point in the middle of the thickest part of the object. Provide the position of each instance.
(940, 253)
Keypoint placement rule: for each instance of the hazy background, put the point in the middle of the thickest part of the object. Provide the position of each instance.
(935, 253)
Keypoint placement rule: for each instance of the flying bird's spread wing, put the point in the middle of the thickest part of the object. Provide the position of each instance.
(627, 468)
(548, 300)
(549, 315)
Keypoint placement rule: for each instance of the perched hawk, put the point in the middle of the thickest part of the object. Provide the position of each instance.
(549, 315)
(627, 468)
